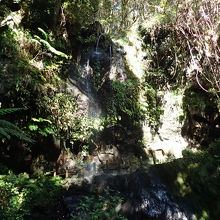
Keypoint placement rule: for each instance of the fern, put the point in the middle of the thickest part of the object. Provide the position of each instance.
(8, 129)
(3, 132)
(4, 111)
(44, 42)
(46, 36)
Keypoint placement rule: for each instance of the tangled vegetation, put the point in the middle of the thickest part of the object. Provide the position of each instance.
(22, 196)
(100, 206)
(195, 178)
(41, 40)
(123, 103)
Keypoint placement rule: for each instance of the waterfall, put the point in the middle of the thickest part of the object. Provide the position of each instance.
(97, 44)
(87, 77)
(110, 55)
(89, 171)
(93, 108)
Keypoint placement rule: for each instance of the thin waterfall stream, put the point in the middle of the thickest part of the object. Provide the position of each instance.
(110, 55)
(97, 44)
(93, 104)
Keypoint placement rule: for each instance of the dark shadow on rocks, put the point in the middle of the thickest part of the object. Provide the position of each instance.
(202, 120)
(145, 196)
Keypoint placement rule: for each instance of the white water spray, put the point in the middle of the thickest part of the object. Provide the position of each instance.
(97, 44)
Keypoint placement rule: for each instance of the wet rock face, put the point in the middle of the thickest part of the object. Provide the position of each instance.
(145, 197)
(168, 140)
(150, 199)
(156, 203)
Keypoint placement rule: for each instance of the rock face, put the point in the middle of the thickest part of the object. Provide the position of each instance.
(86, 168)
(89, 77)
(190, 120)
(80, 85)
(117, 67)
(168, 141)
(145, 197)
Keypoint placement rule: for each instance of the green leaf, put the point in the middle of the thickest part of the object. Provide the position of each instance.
(41, 120)
(44, 33)
(42, 132)
(50, 48)
(35, 119)
(49, 130)
(33, 127)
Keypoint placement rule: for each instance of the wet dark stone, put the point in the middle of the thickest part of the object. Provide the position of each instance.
(145, 197)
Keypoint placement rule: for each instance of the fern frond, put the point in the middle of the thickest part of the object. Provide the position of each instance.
(44, 33)
(7, 124)
(7, 129)
(18, 134)
(4, 133)
(47, 45)
(4, 111)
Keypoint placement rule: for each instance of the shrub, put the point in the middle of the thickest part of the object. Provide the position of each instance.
(124, 101)
(100, 206)
(20, 194)
(197, 176)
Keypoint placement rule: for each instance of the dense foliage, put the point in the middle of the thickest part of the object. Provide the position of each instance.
(183, 43)
(195, 179)
(123, 101)
(22, 196)
(7, 129)
(102, 206)
(40, 41)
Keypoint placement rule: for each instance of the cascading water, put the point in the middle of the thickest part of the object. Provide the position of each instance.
(110, 55)
(94, 109)
(86, 74)
(97, 44)
(96, 52)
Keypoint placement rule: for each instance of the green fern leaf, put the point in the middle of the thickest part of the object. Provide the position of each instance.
(46, 36)
(7, 124)
(4, 111)
(18, 133)
(3, 133)
(8, 128)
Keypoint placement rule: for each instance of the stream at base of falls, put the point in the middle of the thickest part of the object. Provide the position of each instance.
(144, 197)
